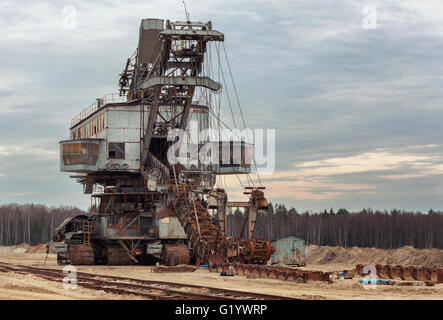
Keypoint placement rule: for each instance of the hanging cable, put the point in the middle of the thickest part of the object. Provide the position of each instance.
(233, 85)
(240, 108)
(240, 181)
(226, 87)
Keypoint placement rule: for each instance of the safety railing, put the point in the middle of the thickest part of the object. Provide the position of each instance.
(108, 98)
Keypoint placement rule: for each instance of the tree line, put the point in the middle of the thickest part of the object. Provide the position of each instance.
(367, 228)
(34, 224)
(31, 223)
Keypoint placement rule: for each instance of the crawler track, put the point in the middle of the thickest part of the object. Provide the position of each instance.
(272, 272)
(148, 289)
(402, 272)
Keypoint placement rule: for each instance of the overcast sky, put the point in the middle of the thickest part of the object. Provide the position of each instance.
(358, 112)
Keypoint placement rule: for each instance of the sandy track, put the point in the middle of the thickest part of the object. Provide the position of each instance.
(149, 289)
(14, 286)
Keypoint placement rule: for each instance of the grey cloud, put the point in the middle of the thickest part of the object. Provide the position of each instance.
(306, 68)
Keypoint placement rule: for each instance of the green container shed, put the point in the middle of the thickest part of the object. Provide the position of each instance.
(290, 251)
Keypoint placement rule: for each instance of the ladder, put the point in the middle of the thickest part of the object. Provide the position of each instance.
(86, 231)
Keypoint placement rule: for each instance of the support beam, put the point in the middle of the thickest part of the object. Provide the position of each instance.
(187, 34)
(180, 81)
(150, 126)
(187, 108)
(196, 216)
(239, 204)
(129, 224)
(245, 221)
(221, 210)
(252, 219)
(128, 251)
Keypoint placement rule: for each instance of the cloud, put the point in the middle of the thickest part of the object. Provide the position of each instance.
(335, 178)
(26, 150)
(376, 160)
(353, 109)
(21, 194)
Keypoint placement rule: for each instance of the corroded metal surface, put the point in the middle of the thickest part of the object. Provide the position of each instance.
(117, 255)
(289, 251)
(81, 254)
(272, 272)
(120, 148)
(402, 272)
(175, 254)
(202, 234)
(182, 268)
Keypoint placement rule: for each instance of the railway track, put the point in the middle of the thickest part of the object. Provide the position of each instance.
(147, 289)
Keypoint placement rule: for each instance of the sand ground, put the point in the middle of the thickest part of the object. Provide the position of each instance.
(16, 286)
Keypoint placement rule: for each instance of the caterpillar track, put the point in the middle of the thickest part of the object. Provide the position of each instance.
(116, 255)
(271, 272)
(81, 254)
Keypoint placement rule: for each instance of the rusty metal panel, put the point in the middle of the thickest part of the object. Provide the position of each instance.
(170, 228)
(290, 251)
(80, 155)
(184, 81)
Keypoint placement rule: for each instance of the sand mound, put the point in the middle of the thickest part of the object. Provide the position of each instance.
(21, 248)
(40, 248)
(404, 256)
(24, 248)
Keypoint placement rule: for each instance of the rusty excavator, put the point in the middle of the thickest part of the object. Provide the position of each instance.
(150, 200)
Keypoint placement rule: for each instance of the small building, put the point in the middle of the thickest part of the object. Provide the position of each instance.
(290, 251)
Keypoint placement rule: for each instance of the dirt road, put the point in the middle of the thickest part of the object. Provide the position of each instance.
(20, 286)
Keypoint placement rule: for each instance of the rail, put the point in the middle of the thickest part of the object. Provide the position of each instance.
(147, 289)
(108, 98)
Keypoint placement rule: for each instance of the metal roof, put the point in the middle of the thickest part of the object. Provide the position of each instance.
(289, 238)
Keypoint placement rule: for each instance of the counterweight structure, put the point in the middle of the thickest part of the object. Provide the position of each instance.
(144, 207)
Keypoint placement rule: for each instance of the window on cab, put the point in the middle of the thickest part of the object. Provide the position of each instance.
(116, 150)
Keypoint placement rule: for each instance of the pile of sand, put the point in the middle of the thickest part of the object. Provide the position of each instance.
(21, 248)
(403, 256)
(40, 248)
(24, 248)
